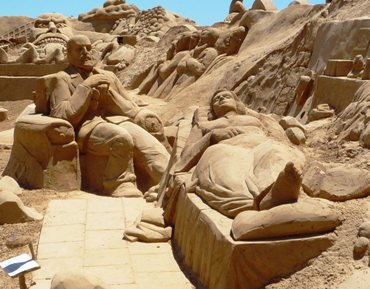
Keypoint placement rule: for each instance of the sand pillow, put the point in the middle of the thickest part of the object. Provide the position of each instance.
(308, 216)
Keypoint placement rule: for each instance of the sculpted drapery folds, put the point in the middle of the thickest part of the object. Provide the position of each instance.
(241, 160)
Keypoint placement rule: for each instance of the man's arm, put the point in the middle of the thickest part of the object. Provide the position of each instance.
(73, 107)
(128, 107)
(116, 101)
(63, 104)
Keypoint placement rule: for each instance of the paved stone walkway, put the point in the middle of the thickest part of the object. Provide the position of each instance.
(86, 233)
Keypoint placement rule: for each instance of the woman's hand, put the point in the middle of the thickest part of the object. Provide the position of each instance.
(220, 134)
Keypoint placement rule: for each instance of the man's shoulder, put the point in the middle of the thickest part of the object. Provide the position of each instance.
(105, 72)
(57, 76)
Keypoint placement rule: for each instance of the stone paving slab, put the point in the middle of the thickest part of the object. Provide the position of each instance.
(61, 234)
(106, 257)
(86, 233)
(67, 249)
(6, 137)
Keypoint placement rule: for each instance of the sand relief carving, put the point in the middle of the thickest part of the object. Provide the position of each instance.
(51, 33)
(193, 64)
(358, 68)
(150, 22)
(118, 53)
(189, 57)
(202, 56)
(227, 45)
(352, 123)
(164, 67)
(167, 71)
(112, 9)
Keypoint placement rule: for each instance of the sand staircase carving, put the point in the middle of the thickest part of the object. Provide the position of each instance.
(363, 42)
(20, 31)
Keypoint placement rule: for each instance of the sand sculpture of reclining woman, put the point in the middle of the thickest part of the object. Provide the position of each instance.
(238, 161)
(242, 159)
(241, 164)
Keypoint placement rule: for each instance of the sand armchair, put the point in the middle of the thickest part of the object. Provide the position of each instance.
(44, 152)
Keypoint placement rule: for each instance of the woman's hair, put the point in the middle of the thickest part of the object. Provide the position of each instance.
(240, 106)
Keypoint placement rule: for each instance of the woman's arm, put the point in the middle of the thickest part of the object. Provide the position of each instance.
(199, 140)
(195, 146)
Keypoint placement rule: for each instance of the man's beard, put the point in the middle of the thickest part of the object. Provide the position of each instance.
(90, 63)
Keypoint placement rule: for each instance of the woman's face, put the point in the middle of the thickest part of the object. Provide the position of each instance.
(223, 102)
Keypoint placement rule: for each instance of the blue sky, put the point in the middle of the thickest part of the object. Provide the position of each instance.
(204, 12)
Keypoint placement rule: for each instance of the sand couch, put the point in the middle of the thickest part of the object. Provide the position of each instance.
(250, 251)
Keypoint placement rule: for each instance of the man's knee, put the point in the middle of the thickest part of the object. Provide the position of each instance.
(108, 138)
(122, 141)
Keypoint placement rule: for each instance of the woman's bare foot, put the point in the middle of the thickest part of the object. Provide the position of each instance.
(152, 194)
(286, 188)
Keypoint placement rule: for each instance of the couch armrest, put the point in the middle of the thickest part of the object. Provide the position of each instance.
(58, 131)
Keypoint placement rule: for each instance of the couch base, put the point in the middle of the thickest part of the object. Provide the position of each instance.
(203, 237)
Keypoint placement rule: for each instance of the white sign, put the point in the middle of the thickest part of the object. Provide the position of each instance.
(20, 264)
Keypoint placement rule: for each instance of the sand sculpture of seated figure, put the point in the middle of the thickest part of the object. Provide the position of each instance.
(192, 65)
(242, 159)
(179, 49)
(230, 41)
(211, 45)
(50, 33)
(358, 67)
(227, 44)
(202, 56)
(107, 121)
(118, 54)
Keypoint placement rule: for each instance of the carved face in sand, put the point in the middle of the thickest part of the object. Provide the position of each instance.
(80, 53)
(208, 36)
(51, 30)
(223, 102)
(230, 41)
